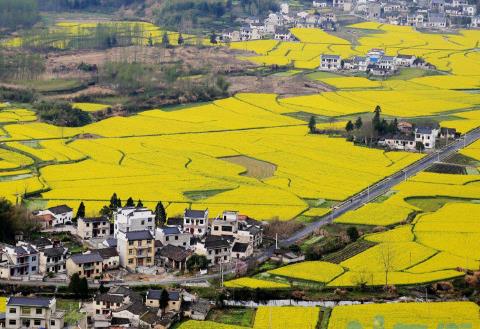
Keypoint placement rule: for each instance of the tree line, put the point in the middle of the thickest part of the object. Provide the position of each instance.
(20, 65)
(18, 13)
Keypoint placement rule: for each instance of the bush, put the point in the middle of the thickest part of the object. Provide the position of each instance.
(62, 114)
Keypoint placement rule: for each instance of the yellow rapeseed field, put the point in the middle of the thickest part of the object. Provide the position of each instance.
(271, 317)
(254, 283)
(310, 271)
(403, 315)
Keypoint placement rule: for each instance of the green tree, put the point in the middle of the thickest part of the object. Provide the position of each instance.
(165, 40)
(349, 127)
(180, 39)
(213, 38)
(83, 288)
(150, 40)
(164, 299)
(102, 289)
(113, 201)
(312, 125)
(160, 214)
(352, 233)
(419, 146)
(376, 121)
(74, 284)
(358, 123)
(139, 203)
(197, 262)
(80, 210)
(130, 202)
(393, 127)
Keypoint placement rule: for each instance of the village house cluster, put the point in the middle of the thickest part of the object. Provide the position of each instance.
(131, 241)
(376, 63)
(277, 25)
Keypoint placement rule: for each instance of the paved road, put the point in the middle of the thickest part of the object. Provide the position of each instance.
(352, 203)
(386, 184)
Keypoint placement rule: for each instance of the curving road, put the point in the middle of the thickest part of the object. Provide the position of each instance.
(386, 184)
(352, 203)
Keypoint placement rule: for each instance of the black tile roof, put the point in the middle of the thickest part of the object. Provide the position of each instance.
(29, 301)
(156, 294)
(168, 230)
(95, 219)
(240, 247)
(195, 213)
(137, 308)
(176, 253)
(111, 298)
(54, 252)
(107, 252)
(57, 210)
(212, 242)
(139, 235)
(86, 258)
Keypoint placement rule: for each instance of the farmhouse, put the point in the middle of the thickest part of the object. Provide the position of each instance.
(54, 216)
(173, 257)
(195, 222)
(136, 249)
(95, 227)
(173, 236)
(427, 136)
(399, 142)
(17, 261)
(330, 62)
(133, 219)
(217, 249)
(33, 312)
(53, 260)
(88, 265)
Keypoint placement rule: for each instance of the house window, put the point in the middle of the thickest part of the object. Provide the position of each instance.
(12, 322)
(139, 243)
(149, 259)
(13, 310)
(38, 311)
(130, 251)
(130, 261)
(52, 322)
(130, 243)
(201, 222)
(176, 237)
(34, 258)
(34, 268)
(143, 222)
(167, 238)
(36, 322)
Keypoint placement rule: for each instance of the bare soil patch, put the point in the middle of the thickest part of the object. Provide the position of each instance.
(255, 168)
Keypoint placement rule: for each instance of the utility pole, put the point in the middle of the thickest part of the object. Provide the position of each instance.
(221, 271)
(276, 241)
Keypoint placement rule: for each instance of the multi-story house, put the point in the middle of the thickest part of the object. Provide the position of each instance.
(227, 224)
(195, 222)
(405, 60)
(153, 298)
(330, 62)
(136, 249)
(53, 260)
(427, 136)
(17, 261)
(133, 219)
(111, 259)
(217, 249)
(251, 234)
(59, 215)
(33, 312)
(104, 304)
(475, 21)
(89, 265)
(94, 227)
(172, 235)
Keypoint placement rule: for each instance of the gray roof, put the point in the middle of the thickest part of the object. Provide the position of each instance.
(55, 251)
(86, 258)
(195, 213)
(167, 230)
(112, 298)
(423, 130)
(240, 247)
(212, 242)
(201, 306)
(29, 301)
(95, 219)
(137, 308)
(139, 235)
(111, 242)
(107, 252)
(176, 253)
(156, 294)
(405, 56)
(330, 56)
(57, 210)
(25, 250)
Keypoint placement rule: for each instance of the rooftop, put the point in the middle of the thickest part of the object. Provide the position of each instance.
(190, 213)
(29, 301)
(91, 257)
(57, 210)
(139, 235)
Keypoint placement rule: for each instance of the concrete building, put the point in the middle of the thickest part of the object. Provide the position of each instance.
(195, 222)
(153, 298)
(172, 235)
(33, 312)
(53, 260)
(330, 62)
(136, 249)
(17, 261)
(427, 136)
(59, 215)
(226, 224)
(94, 227)
(133, 219)
(217, 249)
(89, 265)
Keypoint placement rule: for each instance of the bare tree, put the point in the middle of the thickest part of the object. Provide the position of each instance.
(387, 258)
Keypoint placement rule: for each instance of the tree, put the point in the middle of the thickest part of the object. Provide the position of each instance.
(376, 121)
(349, 127)
(74, 285)
(113, 201)
(139, 203)
(393, 127)
(358, 123)
(420, 146)
(312, 125)
(197, 262)
(160, 214)
(83, 288)
(213, 38)
(130, 202)
(81, 211)
(119, 203)
(102, 289)
(180, 39)
(352, 233)
(387, 258)
(165, 40)
(14, 218)
(164, 299)
(106, 211)
(150, 40)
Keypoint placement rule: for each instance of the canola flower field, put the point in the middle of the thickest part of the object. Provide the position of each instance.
(170, 156)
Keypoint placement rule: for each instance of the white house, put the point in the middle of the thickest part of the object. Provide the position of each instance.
(53, 260)
(62, 214)
(427, 136)
(17, 261)
(330, 62)
(195, 222)
(282, 34)
(133, 219)
(475, 21)
(405, 60)
(227, 224)
(33, 312)
(217, 249)
(399, 142)
(387, 63)
(172, 235)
